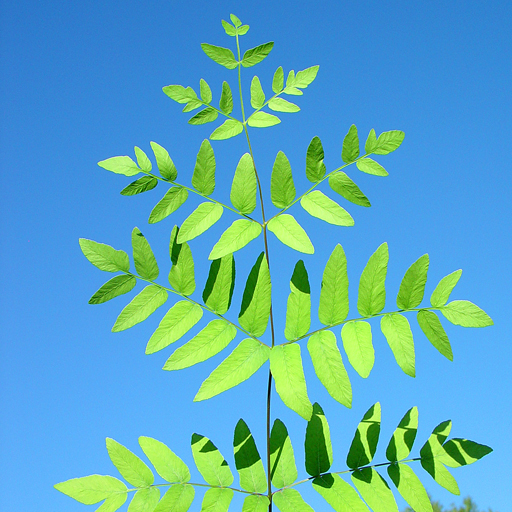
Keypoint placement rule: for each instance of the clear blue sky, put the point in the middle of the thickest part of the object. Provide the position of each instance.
(81, 81)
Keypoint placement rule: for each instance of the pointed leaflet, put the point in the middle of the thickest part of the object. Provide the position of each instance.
(256, 300)
(167, 464)
(238, 235)
(179, 93)
(242, 363)
(144, 500)
(172, 200)
(113, 288)
(329, 366)
(318, 205)
(339, 494)
(371, 142)
(219, 286)
(243, 189)
(305, 77)
(291, 233)
(374, 490)
(92, 489)
(145, 262)
(434, 331)
(442, 292)
(104, 256)
(344, 186)
(290, 500)
(318, 445)
(388, 142)
(229, 128)
(357, 342)
(143, 160)
(255, 503)
(178, 498)
(400, 444)
(282, 189)
(199, 221)
(333, 308)
(210, 463)
(261, 119)
(229, 29)
(256, 55)
(350, 150)
(181, 275)
(397, 331)
(222, 56)
(120, 165)
(235, 20)
(282, 105)
(207, 115)
(365, 440)
(286, 368)
(410, 487)
(193, 105)
(113, 503)
(203, 178)
(247, 460)
(206, 93)
(226, 99)
(315, 167)
(278, 80)
(466, 314)
(257, 94)
(242, 30)
(298, 309)
(141, 185)
(216, 336)
(372, 291)
(175, 324)
(133, 469)
(140, 307)
(370, 166)
(164, 163)
(282, 461)
(412, 286)
(461, 452)
(217, 500)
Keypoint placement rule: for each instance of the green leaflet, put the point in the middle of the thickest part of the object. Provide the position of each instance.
(247, 460)
(205, 91)
(229, 29)
(120, 165)
(226, 99)
(203, 179)
(350, 150)
(192, 105)
(256, 55)
(171, 201)
(145, 262)
(113, 288)
(318, 205)
(357, 342)
(397, 331)
(104, 256)
(167, 464)
(229, 128)
(286, 368)
(365, 440)
(466, 314)
(291, 233)
(461, 452)
(255, 503)
(400, 444)
(282, 189)
(175, 324)
(282, 105)
(344, 186)
(442, 292)
(210, 462)
(372, 291)
(215, 337)
(261, 119)
(329, 367)
(113, 503)
(257, 94)
(179, 93)
(388, 142)
(282, 460)
(238, 235)
(207, 115)
(217, 500)
(290, 500)
(302, 79)
(371, 142)
(333, 307)
(298, 309)
(339, 494)
(278, 80)
(370, 166)
(315, 167)
(178, 498)
(145, 500)
(412, 286)
(242, 30)
(93, 489)
(219, 286)
(141, 306)
(132, 469)
(242, 363)
(256, 300)
(434, 331)
(142, 160)
(182, 274)
(244, 186)
(141, 185)
(235, 20)
(164, 163)
(222, 56)
(199, 221)
(410, 487)
(318, 445)
(374, 490)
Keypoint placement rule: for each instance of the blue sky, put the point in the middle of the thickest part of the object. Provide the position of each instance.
(82, 82)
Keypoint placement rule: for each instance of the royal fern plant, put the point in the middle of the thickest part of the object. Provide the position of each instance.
(272, 479)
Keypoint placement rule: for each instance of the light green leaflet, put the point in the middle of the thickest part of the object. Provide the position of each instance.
(339, 494)
(205, 91)
(215, 337)
(317, 445)
(247, 460)
(290, 500)
(333, 308)
(400, 444)
(144, 500)
(142, 160)
(298, 309)
(104, 256)
(145, 262)
(164, 163)
(257, 94)
(206, 115)
(217, 500)
(235, 20)
(179, 93)
(442, 292)
(344, 186)
(388, 142)
(282, 105)
(256, 55)
(365, 440)
(434, 331)
(222, 56)
(357, 342)
(315, 167)
(179, 498)
(410, 487)
(203, 179)
(242, 363)
(171, 201)
(286, 368)
(93, 489)
(329, 367)
(244, 186)
(302, 79)
(182, 274)
(374, 490)
(261, 119)
(350, 150)
(113, 503)
(116, 286)
(238, 235)
(278, 80)
(291, 233)
(256, 300)
(219, 286)
(412, 286)
(397, 331)
(120, 165)
(318, 205)
(229, 29)
(139, 186)
(226, 99)
(133, 469)
(140, 307)
(255, 503)
(461, 452)
(371, 142)
(175, 324)
(370, 166)
(199, 221)
(282, 460)
(466, 314)
(372, 291)
(229, 128)
(282, 189)
(210, 463)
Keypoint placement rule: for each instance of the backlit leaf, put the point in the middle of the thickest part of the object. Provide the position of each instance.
(104, 256)
(257, 94)
(282, 189)
(372, 292)
(192, 105)
(255, 503)
(278, 80)
(210, 462)
(434, 331)
(410, 487)
(290, 500)
(291, 233)
(315, 167)
(200, 220)
(222, 56)
(244, 186)
(141, 185)
(344, 186)
(350, 150)
(238, 235)
(370, 166)
(235, 20)
(113, 503)
(398, 334)
(179, 93)
(461, 452)
(282, 460)
(388, 142)
(317, 444)
(182, 274)
(298, 309)
(262, 119)
(145, 262)
(400, 444)
(120, 165)
(282, 105)
(92, 489)
(220, 284)
(364, 444)
(442, 292)
(203, 179)
(305, 77)
(226, 99)
(172, 200)
(217, 500)
(317, 204)
(257, 54)
(229, 128)
(207, 115)
(116, 286)
(206, 93)
(178, 498)
(466, 314)
(339, 494)
(229, 29)
(371, 142)
(131, 467)
(374, 490)
(357, 342)
(412, 286)
(145, 500)
(142, 160)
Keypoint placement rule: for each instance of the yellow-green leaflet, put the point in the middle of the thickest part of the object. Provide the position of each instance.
(318, 205)
(131, 467)
(179, 497)
(397, 331)
(400, 444)
(364, 444)
(374, 490)
(317, 444)
(282, 460)
(339, 494)
(291, 233)
(410, 487)
(290, 500)
(210, 462)
(200, 220)
(217, 499)
(357, 342)
(237, 236)
(298, 309)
